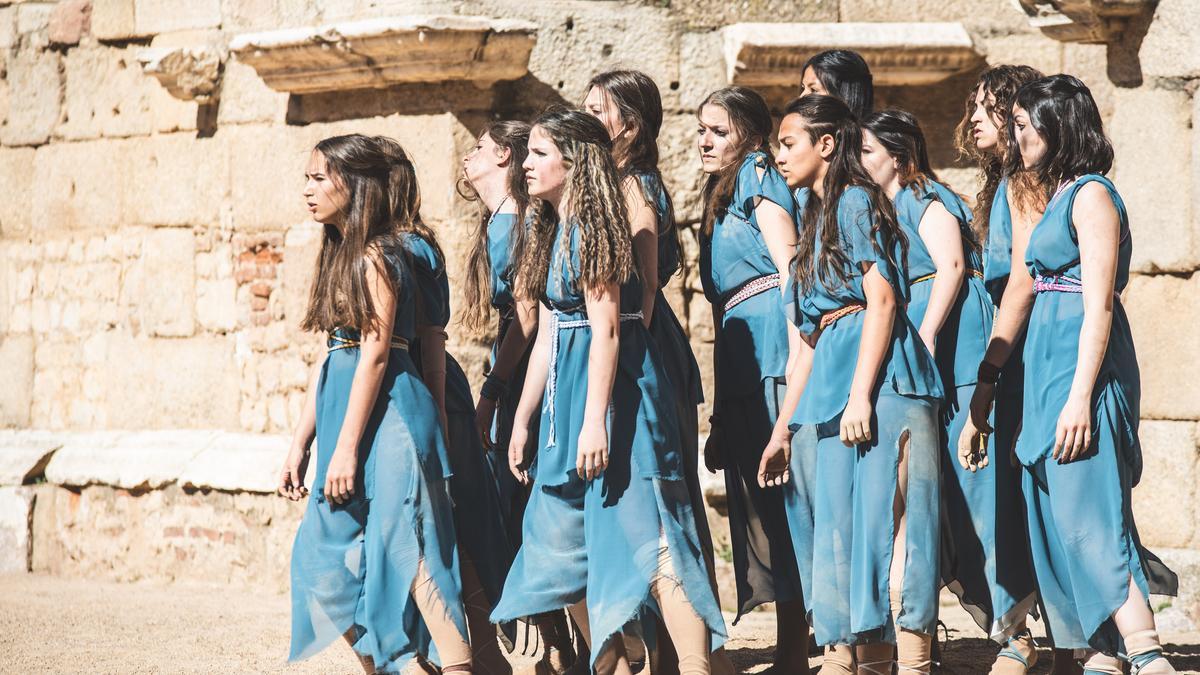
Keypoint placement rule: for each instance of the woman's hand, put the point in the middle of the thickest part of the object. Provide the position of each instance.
(981, 406)
(592, 458)
(518, 463)
(339, 479)
(856, 422)
(485, 412)
(774, 467)
(291, 478)
(714, 450)
(972, 447)
(1073, 436)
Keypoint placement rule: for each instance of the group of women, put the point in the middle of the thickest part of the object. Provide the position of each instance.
(867, 322)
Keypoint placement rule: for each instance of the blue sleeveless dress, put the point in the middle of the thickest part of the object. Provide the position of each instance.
(601, 539)
(353, 564)
(678, 360)
(1083, 537)
(985, 550)
(750, 364)
(478, 518)
(849, 491)
(512, 494)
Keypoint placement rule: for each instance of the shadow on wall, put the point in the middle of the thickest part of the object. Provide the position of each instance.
(521, 99)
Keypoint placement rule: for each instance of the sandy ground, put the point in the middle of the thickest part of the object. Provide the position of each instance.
(54, 625)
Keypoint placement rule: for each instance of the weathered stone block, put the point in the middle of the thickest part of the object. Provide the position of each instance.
(107, 94)
(71, 192)
(1148, 132)
(237, 462)
(25, 454)
(8, 29)
(168, 297)
(33, 23)
(162, 16)
(1171, 46)
(16, 513)
(1185, 562)
(246, 98)
(1159, 307)
(115, 20)
(1166, 503)
(177, 179)
(16, 395)
(130, 460)
(70, 21)
(977, 15)
(216, 308)
(301, 248)
(16, 208)
(1025, 48)
(35, 98)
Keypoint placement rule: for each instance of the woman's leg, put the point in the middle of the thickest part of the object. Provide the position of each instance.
(485, 649)
(685, 627)
(839, 660)
(452, 646)
(875, 658)
(1135, 621)
(912, 648)
(1019, 654)
(613, 661)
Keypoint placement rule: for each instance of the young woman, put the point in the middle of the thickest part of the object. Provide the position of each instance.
(609, 529)
(982, 135)
(375, 558)
(482, 539)
(874, 490)
(951, 309)
(747, 238)
(842, 73)
(493, 175)
(1079, 438)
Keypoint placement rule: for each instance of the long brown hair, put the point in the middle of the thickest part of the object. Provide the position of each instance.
(830, 115)
(593, 189)
(748, 113)
(339, 297)
(404, 195)
(513, 136)
(637, 98)
(900, 134)
(1002, 82)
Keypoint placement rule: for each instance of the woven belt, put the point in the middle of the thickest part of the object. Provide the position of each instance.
(829, 318)
(1056, 283)
(975, 273)
(557, 325)
(752, 288)
(337, 342)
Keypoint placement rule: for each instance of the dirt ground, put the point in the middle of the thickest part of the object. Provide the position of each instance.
(54, 625)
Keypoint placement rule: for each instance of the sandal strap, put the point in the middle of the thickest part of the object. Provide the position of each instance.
(1009, 653)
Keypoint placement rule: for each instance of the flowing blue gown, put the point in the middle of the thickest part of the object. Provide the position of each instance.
(1082, 532)
(600, 540)
(841, 511)
(750, 363)
(987, 549)
(478, 518)
(353, 564)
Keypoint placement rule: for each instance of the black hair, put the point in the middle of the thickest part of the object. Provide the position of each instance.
(846, 75)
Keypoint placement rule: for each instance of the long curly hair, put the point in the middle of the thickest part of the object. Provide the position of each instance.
(1002, 82)
(749, 114)
(822, 115)
(637, 98)
(597, 207)
(513, 136)
(365, 173)
(900, 134)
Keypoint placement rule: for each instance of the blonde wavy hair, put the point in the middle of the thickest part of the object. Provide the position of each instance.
(597, 207)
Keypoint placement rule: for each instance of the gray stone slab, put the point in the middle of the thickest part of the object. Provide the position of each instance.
(24, 454)
(130, 460)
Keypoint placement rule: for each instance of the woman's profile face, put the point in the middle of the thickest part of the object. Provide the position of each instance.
(324, 195)
(1030, 142)
(811, 84)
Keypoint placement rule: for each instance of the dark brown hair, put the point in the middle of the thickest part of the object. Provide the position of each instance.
(829, 115)
(748, 113)
(339, 298)
(1002, 82)
(512, 136)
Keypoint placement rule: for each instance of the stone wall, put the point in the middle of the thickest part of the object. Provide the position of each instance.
(155, 257)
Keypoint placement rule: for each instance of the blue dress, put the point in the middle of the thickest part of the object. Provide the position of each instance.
(985, 550)
(1083, 537)
(512, 495)
(680, 363)
(750, 364)
(844, 532)
(353, 564)
(478, 518)
(601, 539)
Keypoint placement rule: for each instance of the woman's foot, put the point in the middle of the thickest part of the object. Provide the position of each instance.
(839, 660)
(1017, 657)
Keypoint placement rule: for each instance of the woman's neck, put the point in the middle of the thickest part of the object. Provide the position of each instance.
(818, 186)
(493, 194)
(893, 187)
